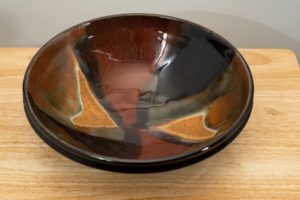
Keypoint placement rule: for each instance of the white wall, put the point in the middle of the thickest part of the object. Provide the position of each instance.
(255, 23)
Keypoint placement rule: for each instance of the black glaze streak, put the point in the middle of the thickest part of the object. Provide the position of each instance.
(226, 52)
(88, 64)
(81, 49)
(142, 118)
(195, 54)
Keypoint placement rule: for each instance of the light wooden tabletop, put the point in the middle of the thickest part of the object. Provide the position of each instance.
(263, 162)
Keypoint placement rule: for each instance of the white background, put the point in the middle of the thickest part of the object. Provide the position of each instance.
(255, 23)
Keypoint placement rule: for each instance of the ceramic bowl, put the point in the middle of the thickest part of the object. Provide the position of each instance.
(138, 92)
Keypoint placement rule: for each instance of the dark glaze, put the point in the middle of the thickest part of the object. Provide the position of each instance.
(121, 87)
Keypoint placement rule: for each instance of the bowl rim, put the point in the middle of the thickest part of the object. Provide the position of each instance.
(113, 161)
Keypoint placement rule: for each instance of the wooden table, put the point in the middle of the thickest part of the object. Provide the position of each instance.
(263, 162)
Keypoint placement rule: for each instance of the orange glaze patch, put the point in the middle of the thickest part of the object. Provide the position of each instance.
(189, 128)
(223, 111)
(93, 114)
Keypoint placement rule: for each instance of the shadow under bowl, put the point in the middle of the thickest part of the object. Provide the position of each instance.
(138, 92)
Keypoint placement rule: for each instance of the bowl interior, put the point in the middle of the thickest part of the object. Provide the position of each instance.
(138, 88)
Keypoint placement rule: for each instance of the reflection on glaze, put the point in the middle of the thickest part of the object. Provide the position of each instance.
(138, 87)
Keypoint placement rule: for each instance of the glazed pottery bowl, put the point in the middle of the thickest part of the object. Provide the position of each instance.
(138, 92)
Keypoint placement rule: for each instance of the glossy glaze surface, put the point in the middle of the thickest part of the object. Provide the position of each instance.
(138, 88)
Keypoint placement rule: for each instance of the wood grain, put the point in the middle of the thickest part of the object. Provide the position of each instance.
(262, 163)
